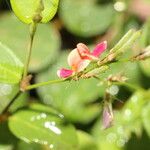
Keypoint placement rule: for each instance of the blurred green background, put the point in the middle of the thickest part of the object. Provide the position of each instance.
(87, 21)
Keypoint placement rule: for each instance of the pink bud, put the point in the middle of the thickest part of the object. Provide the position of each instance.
(107, 116)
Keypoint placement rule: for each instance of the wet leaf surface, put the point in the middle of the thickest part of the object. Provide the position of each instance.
(43, 128)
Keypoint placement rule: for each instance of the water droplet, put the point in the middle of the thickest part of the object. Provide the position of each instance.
(27, 17)
(25, 139)
(113, 90)
(111, 137)
(38, 117)
(36, 140)
(5, 89)
(52, 127)
(40, 141)
(33, 118)
(120, 6)
(120, 130)
(51, 146)
(128, 113)
(45, 142)
(43, 115)
(61, 116)
(121, 142)
(134, 99)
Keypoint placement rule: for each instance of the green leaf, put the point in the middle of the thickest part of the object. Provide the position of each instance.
(86, 141)
(6, 147)
(71, 96)
(31, 146)
(45, 47)
(44, 128)
(7, 140)
(26, 9)
(145, 66)
(89, 19)
(10, 66)
(138, 143)
(7, 92)
(123, 40)
(126, 41)
(146, 118)
(145, 34)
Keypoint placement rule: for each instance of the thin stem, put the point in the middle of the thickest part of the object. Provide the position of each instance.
(33, 86)
(128, 85)
(11, 102)
(28, 57)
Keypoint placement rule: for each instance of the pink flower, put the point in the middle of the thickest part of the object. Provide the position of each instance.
(80, 57)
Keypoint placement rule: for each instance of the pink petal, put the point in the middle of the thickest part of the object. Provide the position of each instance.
(83, 64)
(64, 73)
(74, 59)
(83, 50)
(99, 49)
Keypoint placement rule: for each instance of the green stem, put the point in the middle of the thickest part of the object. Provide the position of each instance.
(28, 57)
(33, 86)
(11, 102)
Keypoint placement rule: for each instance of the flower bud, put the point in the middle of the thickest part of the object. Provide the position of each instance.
(107, 117)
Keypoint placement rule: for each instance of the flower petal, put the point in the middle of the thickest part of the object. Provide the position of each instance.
(83, 64)
(83, 50)
(74, 59)
(64, 73)
(99, 49)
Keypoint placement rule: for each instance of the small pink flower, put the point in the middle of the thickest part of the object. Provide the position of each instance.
(80, 57)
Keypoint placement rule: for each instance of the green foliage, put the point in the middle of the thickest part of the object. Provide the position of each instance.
(144, 42)
(10, 66)
(7, 139)
(86, 141)
(44, 128)
(25, 10)
(145, 67)
(34, 146)
(47, 40)
(70, 117)
(7, 92)
(89, 19)
(146, 118)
